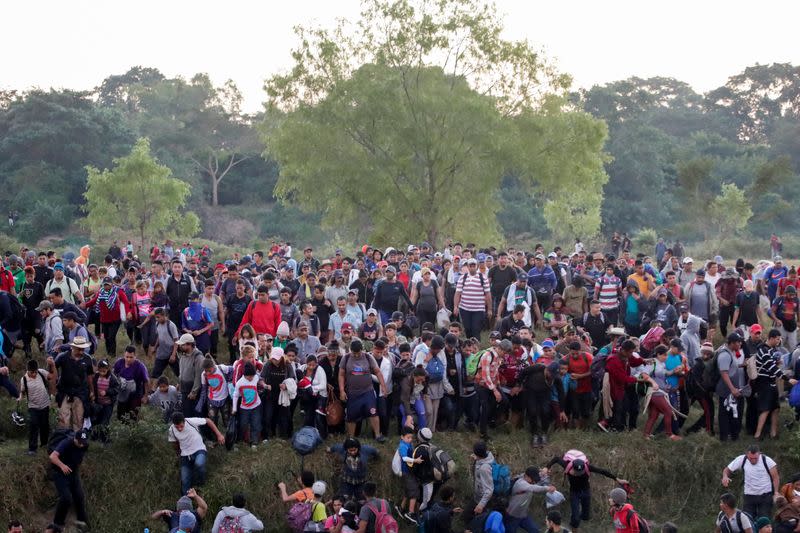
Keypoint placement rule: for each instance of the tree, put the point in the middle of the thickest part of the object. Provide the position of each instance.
(139, 195)
(424, 107)
(730, 211)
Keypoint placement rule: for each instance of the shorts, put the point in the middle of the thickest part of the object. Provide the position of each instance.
(411, 485)
(767, 399)
(581, 405)
(361, 406)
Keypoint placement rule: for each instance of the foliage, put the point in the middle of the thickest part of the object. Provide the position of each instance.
(645, 238)
(426, 106)
(139, 195)
(730, 211)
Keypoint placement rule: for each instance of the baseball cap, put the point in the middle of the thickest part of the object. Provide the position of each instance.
(44, 304)
(687, 260)
(82, 437)
(553, 254)
(319, 488)
(539, 256)
(186, 338)
(481, 258)
(522, 276)
(347, 326)
(777, 259)
(58, 266)
(107, 281)
(352, 291)
(734, 337)
(472, 261)
(756, 328)
(391, 269)
(547, 343)
(701, 272)
(372, 311)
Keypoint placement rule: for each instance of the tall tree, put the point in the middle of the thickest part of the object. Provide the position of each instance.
(138, 195)
(424, 106)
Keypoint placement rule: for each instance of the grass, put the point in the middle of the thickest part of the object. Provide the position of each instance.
(138, 474)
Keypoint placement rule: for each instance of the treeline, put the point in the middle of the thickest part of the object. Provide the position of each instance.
(674, 153)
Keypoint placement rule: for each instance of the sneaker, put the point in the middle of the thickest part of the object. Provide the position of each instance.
(398, 511)
(535, 441)
(30, 453)
(675, 437)
(81, 526)
(254, 446)
(485, 437)
(380, 438)
(411, 517)
(543, 440)
(603, 425)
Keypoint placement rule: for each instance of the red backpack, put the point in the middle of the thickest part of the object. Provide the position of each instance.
(384, 522)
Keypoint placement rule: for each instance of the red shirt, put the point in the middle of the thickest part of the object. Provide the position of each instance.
(619, 374)
(6, 279)
(581, 365)
(109, 316)
(625, 519)
(265, 318)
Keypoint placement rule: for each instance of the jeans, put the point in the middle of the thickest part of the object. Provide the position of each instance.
(725, 316)
(580, 504)
(538, 412)
(513, 524)
(38, 426)
(386, 316)
(382, 405)
(450, 408)
(188, 404)
(193, 470)
(706, 421)
(419, 408)
(7, 384)
(250, 419)
(101, 421)
(276, 417)
(488, 406)
(110, 330)
(472, 408)
(472, 322)
(69, 491)
(758, 504)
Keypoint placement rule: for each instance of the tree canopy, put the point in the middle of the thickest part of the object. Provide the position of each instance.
(411, 118)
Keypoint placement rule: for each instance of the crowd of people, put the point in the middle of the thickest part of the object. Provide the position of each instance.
(412, 341)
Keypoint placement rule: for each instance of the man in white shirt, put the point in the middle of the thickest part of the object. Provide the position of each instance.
(761, 480)
(185, 435)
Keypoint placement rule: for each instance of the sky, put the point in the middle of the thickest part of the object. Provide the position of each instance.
(76, 44)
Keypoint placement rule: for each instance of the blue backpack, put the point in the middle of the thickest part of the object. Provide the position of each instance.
(494, 523)
(435, 370)
(501, 478)
(794, 396)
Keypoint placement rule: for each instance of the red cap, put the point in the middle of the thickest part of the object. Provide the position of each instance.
(756, 328)
(347, 325)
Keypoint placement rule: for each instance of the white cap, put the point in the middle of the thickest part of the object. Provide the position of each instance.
(186, 338)
(319, 488)
(687, 260)
(372, 311)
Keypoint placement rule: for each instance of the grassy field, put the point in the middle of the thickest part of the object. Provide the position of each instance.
(138, 474)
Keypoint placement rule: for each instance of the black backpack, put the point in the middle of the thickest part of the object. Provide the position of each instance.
(18, 310)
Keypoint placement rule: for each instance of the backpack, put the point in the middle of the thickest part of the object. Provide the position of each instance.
(299, 515)
(751, 367)
(598, 371)
(435, 370)
(644, 526)
(586, 317)
(384, 522)
(314, 527)
(573, 455)
(652, 338)
(724, 525)
(443, 465)
(711, 375)
(473, 363)
(334, 411)
(18, 310)
(763, 462)
(501, 479)
(397, 463)
(230, 524)
(306, 439)
(794, 396)
(494, 523)
(126, 388)
(59, 436)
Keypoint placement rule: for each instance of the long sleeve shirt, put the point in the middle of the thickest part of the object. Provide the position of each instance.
(619, 373)
(488, 370)
(265, 318)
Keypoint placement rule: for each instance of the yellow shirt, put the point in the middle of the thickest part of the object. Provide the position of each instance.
(644, 287)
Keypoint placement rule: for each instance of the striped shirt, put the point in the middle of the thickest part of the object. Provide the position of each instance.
(606, 291)
(473, 291)
(767, 365)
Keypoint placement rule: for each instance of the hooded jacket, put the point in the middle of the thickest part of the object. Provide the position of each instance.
(247, 521)
(691, 338)
(483, 486)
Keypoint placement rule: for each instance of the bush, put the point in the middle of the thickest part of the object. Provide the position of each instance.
(646, 238)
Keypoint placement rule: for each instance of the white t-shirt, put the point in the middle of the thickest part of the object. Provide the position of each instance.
(733, 522)
(757, 479)
(189, 439)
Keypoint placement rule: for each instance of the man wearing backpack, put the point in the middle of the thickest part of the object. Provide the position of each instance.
(488, 385)
(66, 458)
(761, 480)
(730, 519)
(473, 301)
(577, 470)
(729, 364)
(439, 517)
(624, 517)
(37, 385)
(375, 516)
(236, 519)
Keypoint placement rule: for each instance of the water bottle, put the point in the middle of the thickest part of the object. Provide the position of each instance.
(147, 530)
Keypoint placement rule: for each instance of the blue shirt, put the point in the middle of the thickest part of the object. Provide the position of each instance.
(673, 361)
(405, 449)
